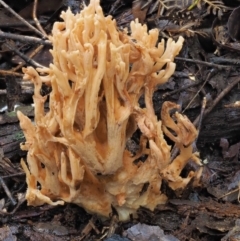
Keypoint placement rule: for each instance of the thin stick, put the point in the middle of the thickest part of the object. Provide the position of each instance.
(24, 39)
(20, 18)
(203, 62)
(233, 191)
(31, 55)
(7, 191)
(19, 24)
(112, 226)
(216, 101)
(207, 79)
(223, 60)
(36, 19)
(114, 7)
(24, 57)
(178, 90)
(204, 103)
(14, 175)
(89, 227)
(10, 72)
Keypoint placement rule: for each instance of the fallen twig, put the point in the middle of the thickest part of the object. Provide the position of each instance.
(219, 97)
(25, 39)
(203, 62)
(179, 89)
(10, 72)
(36, 19)
(3, 184)
(210, 74)
(31, 55)
(19, 24)
(21, 19)
(89, 227)
(24, 57)
(221, 60)
(204, 103)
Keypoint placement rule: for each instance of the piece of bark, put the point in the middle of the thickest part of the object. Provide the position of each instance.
(222, 122)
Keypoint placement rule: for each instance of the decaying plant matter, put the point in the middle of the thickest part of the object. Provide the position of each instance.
(77, 150)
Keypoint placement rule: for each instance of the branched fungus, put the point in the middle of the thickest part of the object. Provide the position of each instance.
(77, 150)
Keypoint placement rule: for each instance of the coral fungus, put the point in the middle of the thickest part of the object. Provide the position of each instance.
(77, 150)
